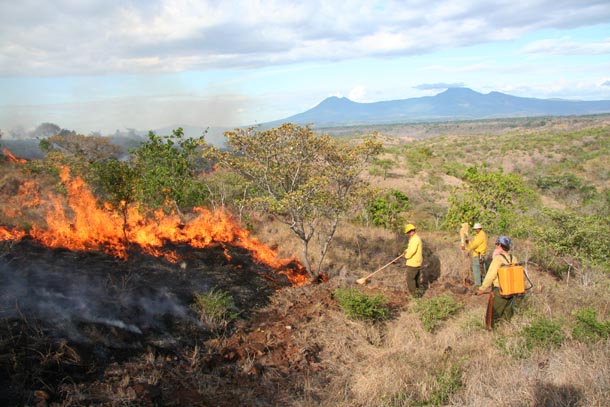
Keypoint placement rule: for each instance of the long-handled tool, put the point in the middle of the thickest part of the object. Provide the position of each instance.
(363, 279)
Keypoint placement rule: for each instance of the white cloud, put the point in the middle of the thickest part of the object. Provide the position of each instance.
(437, 86)
(357, 94)
(564, 46)
(53, 37)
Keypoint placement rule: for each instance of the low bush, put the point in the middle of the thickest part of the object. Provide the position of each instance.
(435, 310)
(588, 328)
(358, 305)
(215, 309)
(542, 333)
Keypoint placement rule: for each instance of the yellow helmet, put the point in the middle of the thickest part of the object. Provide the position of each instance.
(409, 227)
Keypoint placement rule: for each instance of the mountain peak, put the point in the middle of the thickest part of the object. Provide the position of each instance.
(456, 103)
(459, 92)
(335, 101)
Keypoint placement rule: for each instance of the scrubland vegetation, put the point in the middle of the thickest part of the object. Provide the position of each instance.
(546, 185)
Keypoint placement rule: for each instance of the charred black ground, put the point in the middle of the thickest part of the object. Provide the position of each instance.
(87, 327)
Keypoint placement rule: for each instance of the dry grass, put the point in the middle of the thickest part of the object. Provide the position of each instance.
(403, 368)
(401, 364)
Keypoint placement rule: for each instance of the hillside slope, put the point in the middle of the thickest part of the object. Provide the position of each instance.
(294, 346)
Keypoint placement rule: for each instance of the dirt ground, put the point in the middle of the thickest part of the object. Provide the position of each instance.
(97, 330)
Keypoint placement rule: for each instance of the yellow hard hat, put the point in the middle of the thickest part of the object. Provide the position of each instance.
(409, 227)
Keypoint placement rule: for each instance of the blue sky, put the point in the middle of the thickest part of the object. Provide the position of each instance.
(93, 65)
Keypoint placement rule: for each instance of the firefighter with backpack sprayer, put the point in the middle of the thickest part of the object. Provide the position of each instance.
(478, 246)
(498, 306)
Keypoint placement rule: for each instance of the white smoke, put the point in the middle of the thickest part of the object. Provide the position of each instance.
(65, 299)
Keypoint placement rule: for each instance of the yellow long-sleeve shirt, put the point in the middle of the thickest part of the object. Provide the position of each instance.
(491, 278)
(414, 252)
(478, 245)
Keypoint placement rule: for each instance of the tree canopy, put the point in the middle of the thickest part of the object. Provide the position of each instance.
(493, 198)
(305, 180)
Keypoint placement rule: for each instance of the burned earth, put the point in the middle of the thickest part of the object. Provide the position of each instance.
(86, 328)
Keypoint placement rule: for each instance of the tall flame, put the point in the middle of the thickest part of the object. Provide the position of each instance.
(78, 223)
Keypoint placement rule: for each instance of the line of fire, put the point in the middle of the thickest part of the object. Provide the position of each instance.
(78, 222)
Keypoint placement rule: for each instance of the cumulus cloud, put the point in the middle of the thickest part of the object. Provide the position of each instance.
(357, 94)
(54, 37)
(435, 86)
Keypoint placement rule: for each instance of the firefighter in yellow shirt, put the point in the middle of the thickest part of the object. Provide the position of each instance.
(414, 259)
(478, 246)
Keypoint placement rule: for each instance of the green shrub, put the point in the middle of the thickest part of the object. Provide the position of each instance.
(564, 236)
(543, 333)
(435, 310)
(493, 198)
(417, 157)
(381, 167)
(358, 305)
(438, 387)
(567, 185)
(386, 210)
(588, 328)
(215, 309)
(165, 167)
(115, 181)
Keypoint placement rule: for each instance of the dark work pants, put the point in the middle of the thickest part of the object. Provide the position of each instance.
(413, 280)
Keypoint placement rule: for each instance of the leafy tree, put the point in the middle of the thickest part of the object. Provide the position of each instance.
(88, 148)
(386, 210)
(308, 182)
(166, 170)
(118, 181)
(228, 188)
(46, 130)
(490, 197)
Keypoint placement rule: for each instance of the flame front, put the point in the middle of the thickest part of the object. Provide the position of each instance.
(78, 223)
(12, 158)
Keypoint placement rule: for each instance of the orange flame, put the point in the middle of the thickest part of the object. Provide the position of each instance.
(6, 234)
(78, 223)
(12, 158)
